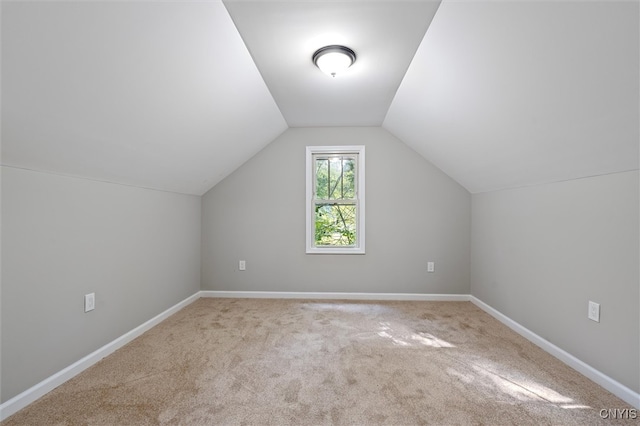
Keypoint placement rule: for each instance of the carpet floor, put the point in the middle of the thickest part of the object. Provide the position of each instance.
(296, 362)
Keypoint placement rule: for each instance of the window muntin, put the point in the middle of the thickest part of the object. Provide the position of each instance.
(335, 207)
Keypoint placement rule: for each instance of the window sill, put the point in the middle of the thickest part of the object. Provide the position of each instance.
(351, 250)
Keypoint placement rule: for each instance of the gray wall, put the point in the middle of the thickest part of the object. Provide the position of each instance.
(62, 237)
(414, 213)
(539, 254)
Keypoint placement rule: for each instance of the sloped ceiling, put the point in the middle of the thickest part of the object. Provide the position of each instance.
(161, 95)
(166, 95)
(504, 94)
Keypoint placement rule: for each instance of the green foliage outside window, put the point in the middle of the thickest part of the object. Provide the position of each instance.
(335, 225)
(335, 208)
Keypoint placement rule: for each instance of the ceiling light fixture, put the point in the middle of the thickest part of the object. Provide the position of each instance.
(334, 59)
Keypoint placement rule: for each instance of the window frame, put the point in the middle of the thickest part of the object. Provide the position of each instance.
(359, 247)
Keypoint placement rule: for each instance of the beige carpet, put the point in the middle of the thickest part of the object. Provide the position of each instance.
(292, 362)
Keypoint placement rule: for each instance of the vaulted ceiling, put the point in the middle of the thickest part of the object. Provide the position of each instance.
(282, 36)
(176, 95)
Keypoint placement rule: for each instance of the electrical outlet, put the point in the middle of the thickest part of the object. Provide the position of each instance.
(89, 302)
(431, 266)
(242, 265)
(594, 311)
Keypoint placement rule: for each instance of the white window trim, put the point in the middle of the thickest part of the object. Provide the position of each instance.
(310, 222)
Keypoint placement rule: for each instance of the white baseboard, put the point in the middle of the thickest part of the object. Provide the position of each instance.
(335, 296)
(618, 389)
(25, 398)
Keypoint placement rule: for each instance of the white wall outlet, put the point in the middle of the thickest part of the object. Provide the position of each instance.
(431, 266)
(242, 265)
(594, 311)
(89, 302)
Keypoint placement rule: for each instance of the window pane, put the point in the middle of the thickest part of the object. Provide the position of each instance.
(322, 182)
(349, 178)
(335, 224)
(335, 178)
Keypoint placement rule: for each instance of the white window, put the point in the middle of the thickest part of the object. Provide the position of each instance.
(335, 199)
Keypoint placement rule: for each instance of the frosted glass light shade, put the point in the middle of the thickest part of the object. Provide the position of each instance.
(334, 59)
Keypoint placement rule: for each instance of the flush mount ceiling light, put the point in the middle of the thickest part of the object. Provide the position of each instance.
(334, 59)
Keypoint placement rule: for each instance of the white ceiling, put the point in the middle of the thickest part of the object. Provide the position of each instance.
(506, 94)
(166, 95)
(161, 95)
(282, 37)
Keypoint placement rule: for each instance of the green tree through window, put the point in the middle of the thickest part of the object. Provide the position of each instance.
(335, 200)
